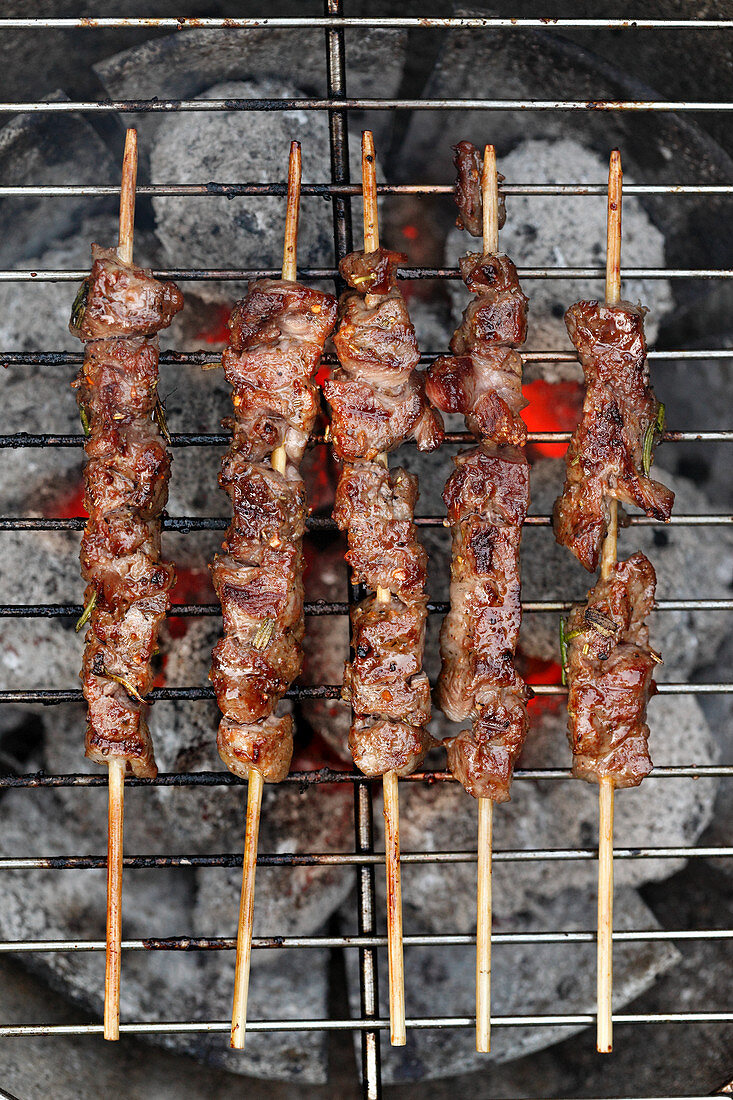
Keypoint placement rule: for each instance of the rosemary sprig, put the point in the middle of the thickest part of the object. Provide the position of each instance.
(87, 612)
(78, 309)
(653, 430)
(160, 419)
(263, 634)
(599, 621)
(129, 688)
(85, 422)
(564, 639)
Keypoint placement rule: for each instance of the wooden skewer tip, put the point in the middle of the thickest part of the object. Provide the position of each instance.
(369, 192)
(292, 214)
(490, 200)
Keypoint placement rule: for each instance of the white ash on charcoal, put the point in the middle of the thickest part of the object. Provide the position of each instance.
(566, 231)
(245, 231)
(527, 979)
(181, 66)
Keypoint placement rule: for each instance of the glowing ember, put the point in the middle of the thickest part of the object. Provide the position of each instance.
(553, 407)
(69, 504)
(218, 331)
(192, 586)
(411, 232)
(537, 671)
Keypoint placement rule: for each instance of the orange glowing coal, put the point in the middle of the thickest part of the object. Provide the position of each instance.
(553, 407)
(218, 331)
(537, 671)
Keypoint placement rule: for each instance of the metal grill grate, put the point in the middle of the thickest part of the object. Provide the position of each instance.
(339, 190)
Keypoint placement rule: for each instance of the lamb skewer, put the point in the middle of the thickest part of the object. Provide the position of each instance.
(606, 655)
(277, 335)
(117, 313)
(487, 498)
(377, 401)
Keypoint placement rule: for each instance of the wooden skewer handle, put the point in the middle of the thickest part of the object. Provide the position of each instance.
(397, 1030)
(483, 927)
(246, 911)
(113, 960)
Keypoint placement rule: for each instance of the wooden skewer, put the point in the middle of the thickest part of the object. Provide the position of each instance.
(604, 1034)
(490, 214)
(255, 782)
(116, 770)
(397, 1031)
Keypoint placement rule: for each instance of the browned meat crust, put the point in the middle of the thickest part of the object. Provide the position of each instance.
(487, 498)
(609, 673)
(277, 335)
(377, 397)
(483, 377)
(121, 300)
(118, 311)
(469, 163)
(605, 459)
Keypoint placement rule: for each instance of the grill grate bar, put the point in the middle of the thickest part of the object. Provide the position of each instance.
(324, 523)
(355, 859)
(317, 608)
(185, 274)
(222, 439)
(334, 21)
(329, 776)
(217, 106)
(55, 696)
(200, 358)
(369, 1024)
(225, 943)
(328, 190)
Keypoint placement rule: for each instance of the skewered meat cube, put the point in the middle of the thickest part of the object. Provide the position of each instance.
(609, 673)
(377, 397)
(117, 313)
(277, 335)
(610, 452)
(467, 193)
(483, 378)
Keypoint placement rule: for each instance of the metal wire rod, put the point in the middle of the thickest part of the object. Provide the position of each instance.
(319, 608)
(244, 274)
(325, 190)
(54, 696)
(221, 439)
(186, 524)
(199, 358)
(330, 776)
(226, 943)
(214, 106)
(354, 859)
(384, 22)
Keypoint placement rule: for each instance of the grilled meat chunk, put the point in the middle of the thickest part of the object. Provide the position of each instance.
(121, 300)
(469, 166)
(610, 451)
(277, 335)
(483, 377)
(266, 747)
(375, 506)
(118, 312)
(377, 398)
(609, 674)
(487, 498)
(383, 746)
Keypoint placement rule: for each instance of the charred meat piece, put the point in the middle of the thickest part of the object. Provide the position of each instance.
(469, 165)
(383, 746)
(609, 673)
(483, 377)
(487, 498)
(277, 335)
(377, 398)
(375, 507)
(121, 300)
(610, 452)
(117, 312)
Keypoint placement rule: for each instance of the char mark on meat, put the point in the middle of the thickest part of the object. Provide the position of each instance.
(487, 498)
(468, 160)
(117, 313)
(483, 377)
(277, 335)
(610, 451)
(609, 673)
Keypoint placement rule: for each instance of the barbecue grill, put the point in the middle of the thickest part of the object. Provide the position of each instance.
(339, 190)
